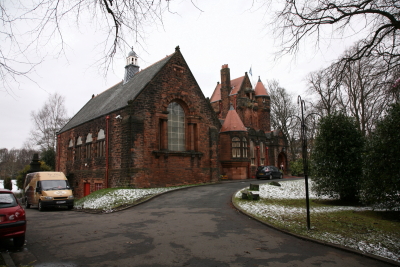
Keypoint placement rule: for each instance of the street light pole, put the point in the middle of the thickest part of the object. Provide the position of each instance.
(304, 152)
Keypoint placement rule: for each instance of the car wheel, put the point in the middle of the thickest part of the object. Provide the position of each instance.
(281, 177)
(271, 177)
(40, 206)
(70, 207)
(19, 241)
(27, 205)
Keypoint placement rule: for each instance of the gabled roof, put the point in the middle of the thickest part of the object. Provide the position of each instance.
(260, 89)
(216, 96)
(232, 122)
(235, 86)
(116, 97)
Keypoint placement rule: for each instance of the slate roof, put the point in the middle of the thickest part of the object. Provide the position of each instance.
(115, 97)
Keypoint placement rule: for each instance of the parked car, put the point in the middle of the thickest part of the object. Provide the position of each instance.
(12, 218)
(268, 172)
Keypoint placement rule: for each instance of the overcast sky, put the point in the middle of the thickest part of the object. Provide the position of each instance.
(226, 32)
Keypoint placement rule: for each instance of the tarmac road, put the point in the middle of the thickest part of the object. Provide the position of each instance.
(191, 227)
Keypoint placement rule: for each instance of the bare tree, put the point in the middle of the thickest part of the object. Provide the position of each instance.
(323, 85)
(47, 121)
(362, 89)
(378, 21)
(363, 96)
(284, 115)
(27, 26)
(12, 161)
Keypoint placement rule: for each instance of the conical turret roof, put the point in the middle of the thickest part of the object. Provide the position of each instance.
(260, 88)
(232, 122)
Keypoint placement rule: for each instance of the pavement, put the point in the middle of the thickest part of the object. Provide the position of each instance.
(6, 260)
(195, 227)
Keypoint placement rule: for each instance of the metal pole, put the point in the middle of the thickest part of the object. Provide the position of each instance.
(305, 162)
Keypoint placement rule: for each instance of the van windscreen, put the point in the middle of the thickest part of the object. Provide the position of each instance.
(54, 184)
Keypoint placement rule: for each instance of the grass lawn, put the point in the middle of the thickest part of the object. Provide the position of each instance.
(362, 228)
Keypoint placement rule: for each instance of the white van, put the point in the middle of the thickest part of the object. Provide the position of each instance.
(47, 189)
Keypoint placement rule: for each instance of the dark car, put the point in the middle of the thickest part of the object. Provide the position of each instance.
(269, 172)
(12, 218)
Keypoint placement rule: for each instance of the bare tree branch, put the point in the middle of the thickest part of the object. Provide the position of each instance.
(45, 21)
(301, 20)
(47, 121)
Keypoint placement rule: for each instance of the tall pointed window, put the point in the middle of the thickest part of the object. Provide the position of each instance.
(235, 147)
(244, 147)
(88, 145)
(252, 153)
(262, 153)
(78, 149)
(176, 127)
(101, 144)
(70, 150)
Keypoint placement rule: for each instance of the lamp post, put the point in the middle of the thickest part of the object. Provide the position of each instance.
(304, 152)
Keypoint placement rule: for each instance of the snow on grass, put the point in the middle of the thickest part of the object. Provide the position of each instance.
(288, 190)
(286, 216)
(113, 198)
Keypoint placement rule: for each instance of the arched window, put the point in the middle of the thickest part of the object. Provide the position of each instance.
(78, 151)
(235, 147)
(70, 150)
(176, 127)
(101, 143)
(244, 147)
(252, 154)
(88, 145)
(262, 153)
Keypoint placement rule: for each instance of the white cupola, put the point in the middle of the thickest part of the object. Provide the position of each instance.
(131, 67)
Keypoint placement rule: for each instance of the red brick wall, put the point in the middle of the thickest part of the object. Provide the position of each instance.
(135, 157)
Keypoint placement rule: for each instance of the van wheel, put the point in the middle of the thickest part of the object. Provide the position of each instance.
(40, 206)
(27, 205)
(70, 207)
(19, 241)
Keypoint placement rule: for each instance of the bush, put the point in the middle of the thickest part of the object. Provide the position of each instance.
(381, 183)
(49, 157)
(337, 162)
(296, 167)
(22, 174)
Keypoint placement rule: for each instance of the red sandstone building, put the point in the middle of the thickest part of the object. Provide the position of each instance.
(246, 140)
(156, 129)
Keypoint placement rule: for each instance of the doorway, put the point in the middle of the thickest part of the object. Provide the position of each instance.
(282, 163)
(86, 189)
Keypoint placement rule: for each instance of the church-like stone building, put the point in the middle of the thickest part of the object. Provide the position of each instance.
(246, 140)
(155, 128)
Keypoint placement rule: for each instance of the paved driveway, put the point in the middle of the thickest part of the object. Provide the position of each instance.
(190, 227)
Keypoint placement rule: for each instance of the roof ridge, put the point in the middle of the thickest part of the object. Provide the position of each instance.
(156, 62)
(136, 73)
